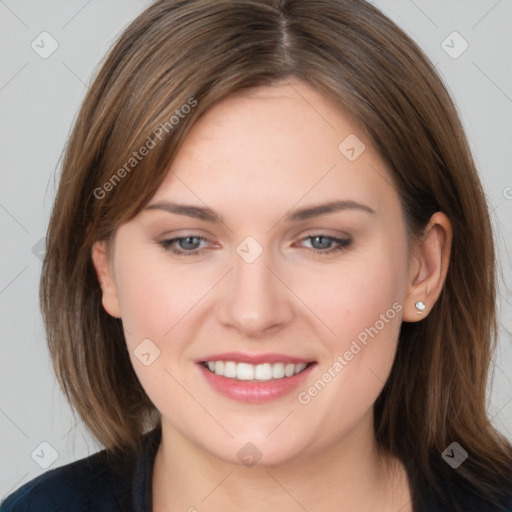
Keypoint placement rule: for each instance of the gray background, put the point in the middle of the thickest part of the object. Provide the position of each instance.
(39, 98)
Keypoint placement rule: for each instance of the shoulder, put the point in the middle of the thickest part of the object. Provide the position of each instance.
(457, 494)
(89, 484)
(102, 482)
(472, 500)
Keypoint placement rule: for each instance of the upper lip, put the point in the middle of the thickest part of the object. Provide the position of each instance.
(240, 357)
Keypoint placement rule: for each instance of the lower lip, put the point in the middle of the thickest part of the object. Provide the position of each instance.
(254, 392)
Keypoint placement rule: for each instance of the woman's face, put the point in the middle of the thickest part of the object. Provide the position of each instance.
(261, 277)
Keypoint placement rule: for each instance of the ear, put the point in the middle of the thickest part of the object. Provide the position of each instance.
(428, 267)
(101, 262)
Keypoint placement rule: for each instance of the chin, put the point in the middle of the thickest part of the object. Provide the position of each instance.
(254, 451)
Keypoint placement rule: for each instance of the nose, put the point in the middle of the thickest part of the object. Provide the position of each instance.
(255, 300)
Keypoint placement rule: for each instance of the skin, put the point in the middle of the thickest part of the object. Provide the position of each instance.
(252, 158)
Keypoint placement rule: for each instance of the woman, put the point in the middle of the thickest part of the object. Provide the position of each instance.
(269, 279)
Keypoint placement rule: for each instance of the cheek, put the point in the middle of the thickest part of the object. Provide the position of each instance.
(358, 297)
(363, 306)
(161, 312)
(156, 302)
(154, 296)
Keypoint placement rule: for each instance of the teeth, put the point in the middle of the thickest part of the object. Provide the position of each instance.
(244, 371)
(229, 369)
(289, 370)
(299, 367)
(263, 372)
(278, 371)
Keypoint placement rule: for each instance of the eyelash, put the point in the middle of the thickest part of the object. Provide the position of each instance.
(167, 245)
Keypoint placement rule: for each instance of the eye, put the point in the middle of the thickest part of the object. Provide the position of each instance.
(323, 244)
(184, 246)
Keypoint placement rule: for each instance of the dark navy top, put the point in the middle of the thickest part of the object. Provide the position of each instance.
(95, 484)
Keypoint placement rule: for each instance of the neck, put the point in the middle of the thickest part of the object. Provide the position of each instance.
(350, 475)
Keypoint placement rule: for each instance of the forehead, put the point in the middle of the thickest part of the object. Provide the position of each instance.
(275, 146)
(281, 117)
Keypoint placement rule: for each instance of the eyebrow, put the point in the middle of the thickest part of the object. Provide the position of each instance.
(208, 215)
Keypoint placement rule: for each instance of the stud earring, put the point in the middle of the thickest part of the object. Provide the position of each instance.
(420, 306)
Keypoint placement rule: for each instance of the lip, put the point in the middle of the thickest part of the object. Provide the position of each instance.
(240, 357)
(255, 392)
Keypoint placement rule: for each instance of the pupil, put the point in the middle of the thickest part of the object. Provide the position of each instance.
(186, 241)
(326, 243)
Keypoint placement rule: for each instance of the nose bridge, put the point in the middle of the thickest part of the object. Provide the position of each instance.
(256, 300)
(251, 280)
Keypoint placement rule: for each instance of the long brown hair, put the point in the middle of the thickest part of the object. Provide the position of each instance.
(196, 53)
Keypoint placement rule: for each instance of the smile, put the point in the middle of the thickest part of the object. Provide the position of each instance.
(251, 372)
(255, 383)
